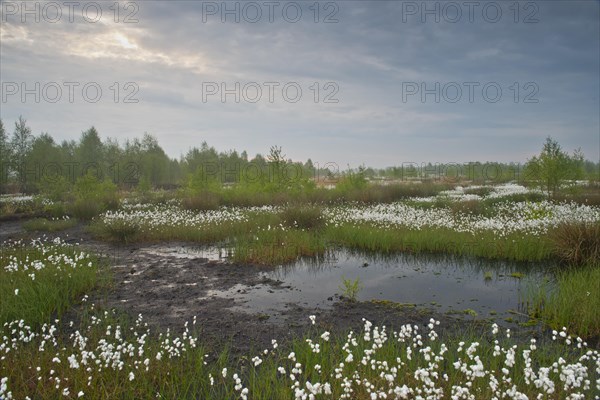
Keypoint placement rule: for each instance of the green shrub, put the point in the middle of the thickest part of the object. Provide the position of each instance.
(56, 188)
(93, 196)
(56, 210)
(352, 181)
(144, 186)
(85, 209)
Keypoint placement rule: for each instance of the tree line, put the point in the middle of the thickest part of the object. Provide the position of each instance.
(29, 163)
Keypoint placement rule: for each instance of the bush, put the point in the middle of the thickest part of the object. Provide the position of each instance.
(303, 217)
(352, 181)
(93, 196)
(350, 288)
(577, 244)
(55, 188)
(56, 210)
(85, 209)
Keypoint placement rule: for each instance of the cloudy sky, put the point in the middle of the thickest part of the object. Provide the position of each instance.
(350, 82)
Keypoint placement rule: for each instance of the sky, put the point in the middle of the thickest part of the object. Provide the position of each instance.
(374, 83)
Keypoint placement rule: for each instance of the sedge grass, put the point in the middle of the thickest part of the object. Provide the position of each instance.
(278, 246)
(374, 239)
(39, 281)
(49, 225)
(572, 302)
(112, 357)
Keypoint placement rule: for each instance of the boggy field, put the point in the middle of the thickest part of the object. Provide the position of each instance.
(459, 295)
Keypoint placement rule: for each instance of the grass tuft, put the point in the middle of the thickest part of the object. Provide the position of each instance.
(49, 225)
(303, 217)
(573, 303)
(41, 281)
(577, 244)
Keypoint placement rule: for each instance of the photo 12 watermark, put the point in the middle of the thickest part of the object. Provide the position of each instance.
(270, 92)
(469, 92)
(53, 172)
(53, 12)
(270, 11)
(68, 92)
(452, 12)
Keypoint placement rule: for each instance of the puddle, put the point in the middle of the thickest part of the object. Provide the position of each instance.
(443, 283)
(209, 253)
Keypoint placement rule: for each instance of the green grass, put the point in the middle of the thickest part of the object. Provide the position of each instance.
(303, 217)
(37, 282)
(278, 246)
(487, 245)
(272, 238)
(265, 238)
(49, 225)
(213, 233)
(184, 371)
(244, 196)
(119, 231)
(10, 207)
(577, 244)
(573, 303)
(85, 209)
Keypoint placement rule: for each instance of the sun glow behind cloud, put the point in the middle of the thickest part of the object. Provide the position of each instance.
(124, 41)
(107, 42)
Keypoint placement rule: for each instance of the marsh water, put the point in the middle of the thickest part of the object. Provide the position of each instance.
(461, 285)
(469, 286)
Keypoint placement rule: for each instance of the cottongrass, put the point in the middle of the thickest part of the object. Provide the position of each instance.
(107, 359)
(154, 217)
(42, 278)
(528, 218)
(514, 229)
(479, 192)
(534, 219)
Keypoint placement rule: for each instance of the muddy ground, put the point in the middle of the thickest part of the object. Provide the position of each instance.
(171, 287)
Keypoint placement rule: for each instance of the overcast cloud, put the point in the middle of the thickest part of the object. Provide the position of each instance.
(370, 61)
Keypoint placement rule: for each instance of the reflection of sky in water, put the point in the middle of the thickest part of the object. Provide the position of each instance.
(188, 252)
(441, 282)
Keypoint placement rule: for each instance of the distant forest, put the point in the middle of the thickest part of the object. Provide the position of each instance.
(27, 159)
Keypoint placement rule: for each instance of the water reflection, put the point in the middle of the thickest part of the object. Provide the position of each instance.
(445, 283)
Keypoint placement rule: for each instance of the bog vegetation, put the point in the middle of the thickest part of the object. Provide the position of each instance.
(271, 211)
